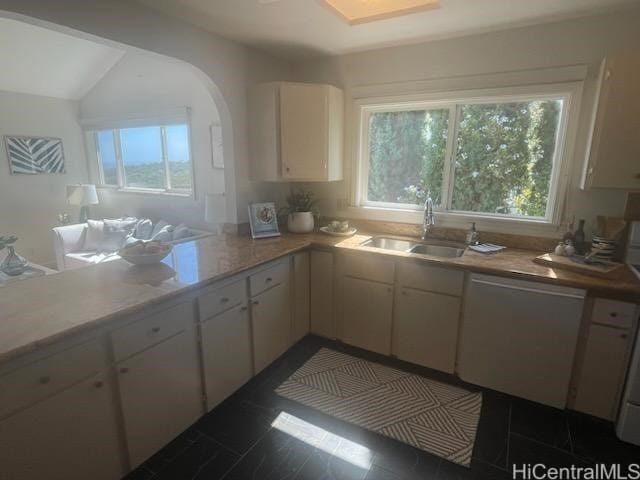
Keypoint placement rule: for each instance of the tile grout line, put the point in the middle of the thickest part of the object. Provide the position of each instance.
(554, 447)
(246, 453)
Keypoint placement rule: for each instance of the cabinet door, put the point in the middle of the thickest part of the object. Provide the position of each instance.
(321, 297)
(602, 371)
(304, 131)
(161, 394)
(226, 353)
(425, 328)
(615, 148)
(72, 435)
(271, 321)
(366, 314)
(300, 295)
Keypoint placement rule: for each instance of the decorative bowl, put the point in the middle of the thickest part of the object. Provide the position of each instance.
(145, 253)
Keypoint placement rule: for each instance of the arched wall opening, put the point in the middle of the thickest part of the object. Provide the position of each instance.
(140, 82)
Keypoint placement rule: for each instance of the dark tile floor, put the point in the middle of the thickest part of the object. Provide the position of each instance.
(236, 440)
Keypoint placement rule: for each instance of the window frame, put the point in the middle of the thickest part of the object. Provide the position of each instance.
(120, 167)
(568, 92)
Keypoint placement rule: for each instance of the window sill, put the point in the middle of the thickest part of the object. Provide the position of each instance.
(514, 226)
(145, 191)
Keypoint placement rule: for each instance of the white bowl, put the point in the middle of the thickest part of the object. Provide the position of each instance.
(145, 258)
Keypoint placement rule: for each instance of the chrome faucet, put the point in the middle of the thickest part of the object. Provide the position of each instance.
(428, 221)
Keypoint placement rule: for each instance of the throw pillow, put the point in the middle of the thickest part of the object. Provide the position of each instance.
(93, 236)
(115, 232)
(144, 229)
(180, 232)
(160, 224)
(164, 235)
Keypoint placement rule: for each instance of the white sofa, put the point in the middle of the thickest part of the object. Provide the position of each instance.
(69, 240)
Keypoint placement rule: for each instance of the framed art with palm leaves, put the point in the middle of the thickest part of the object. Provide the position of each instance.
(34, 155)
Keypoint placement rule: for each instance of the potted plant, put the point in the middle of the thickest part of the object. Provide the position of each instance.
(300, 210)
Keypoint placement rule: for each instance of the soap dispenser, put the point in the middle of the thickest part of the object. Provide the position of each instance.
(472, 235)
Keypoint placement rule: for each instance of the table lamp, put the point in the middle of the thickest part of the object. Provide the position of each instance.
(82, 195)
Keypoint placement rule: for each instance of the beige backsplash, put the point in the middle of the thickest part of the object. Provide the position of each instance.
(525, 242)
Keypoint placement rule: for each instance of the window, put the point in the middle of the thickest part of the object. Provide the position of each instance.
(150, 158)
(490, 156)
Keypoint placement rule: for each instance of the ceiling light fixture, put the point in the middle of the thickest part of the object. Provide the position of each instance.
(362, 11)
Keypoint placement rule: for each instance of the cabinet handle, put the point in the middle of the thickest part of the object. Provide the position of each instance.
(243, 309)
(155, 329)
(269, 280)
(98, 384)
(614, 314)
(389, 289)
(623, 336)
(44, 380)
(287, 169)
(255, 302)
(638, 176)
(124, 370)
(224, 300)
(404, 292)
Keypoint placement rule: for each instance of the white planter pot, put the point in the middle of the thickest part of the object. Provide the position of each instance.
(300, 222)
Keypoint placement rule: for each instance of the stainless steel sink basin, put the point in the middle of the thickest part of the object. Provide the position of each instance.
(389, 244)
(399, 245)
(437, 250)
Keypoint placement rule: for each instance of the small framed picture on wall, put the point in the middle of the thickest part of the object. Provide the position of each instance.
(263, 220)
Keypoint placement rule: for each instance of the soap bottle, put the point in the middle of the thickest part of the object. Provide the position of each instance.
(472, 235)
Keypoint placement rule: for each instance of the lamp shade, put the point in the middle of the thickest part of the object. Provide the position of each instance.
(82, 195)
(215, 208)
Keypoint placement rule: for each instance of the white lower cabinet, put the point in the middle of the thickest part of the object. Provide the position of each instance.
(226, 353)
(300, 292)
(271, 322)
(602, 372)
(366, 310)
(425, 328)
(71, 435)
(160, 393)
(321, 313)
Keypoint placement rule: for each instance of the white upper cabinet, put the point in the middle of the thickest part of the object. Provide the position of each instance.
(296, 132)
(614, 156)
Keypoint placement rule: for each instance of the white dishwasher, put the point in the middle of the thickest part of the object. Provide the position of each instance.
(519, 337)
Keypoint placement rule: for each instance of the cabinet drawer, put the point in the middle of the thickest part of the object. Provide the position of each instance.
(260, 281)
(613, 313)
(221, 299)
(367, 267)
(151, 330)
(432, 279)
(50, 375)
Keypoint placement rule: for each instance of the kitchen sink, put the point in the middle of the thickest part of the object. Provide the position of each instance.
(427, 248)
(437, 250)
(389, 244)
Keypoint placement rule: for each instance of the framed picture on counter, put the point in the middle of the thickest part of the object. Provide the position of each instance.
(263, 220)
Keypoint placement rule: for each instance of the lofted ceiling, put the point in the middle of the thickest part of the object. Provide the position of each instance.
(301, 28)
(39, 61)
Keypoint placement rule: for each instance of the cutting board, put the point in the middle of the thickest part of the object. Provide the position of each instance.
(610, 270)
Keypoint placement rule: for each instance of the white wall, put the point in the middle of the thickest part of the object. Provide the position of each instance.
(29, 204)
(145, 84)
(582, 41)
(226, 67)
